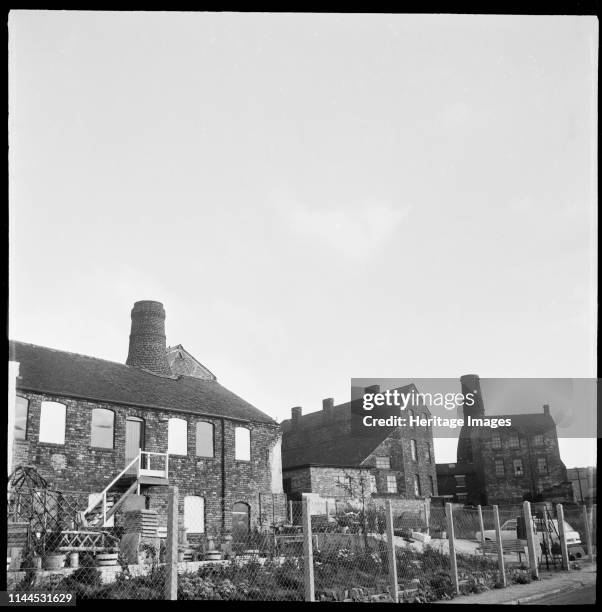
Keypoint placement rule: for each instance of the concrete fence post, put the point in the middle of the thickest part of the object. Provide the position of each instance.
(564, 550)
(482, 527)
(499, 543)
(308, 555)
(290, 512)
(171, 548)
(531, 540)
(588, 535)
(391, 552)
(427, 516)
(452, 547)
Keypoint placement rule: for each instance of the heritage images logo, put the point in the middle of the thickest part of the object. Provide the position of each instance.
(395, 398)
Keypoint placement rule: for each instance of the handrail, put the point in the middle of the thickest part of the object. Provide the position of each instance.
(103, 495)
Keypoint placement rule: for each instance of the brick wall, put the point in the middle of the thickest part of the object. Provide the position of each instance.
(509, 488)
(77, 466)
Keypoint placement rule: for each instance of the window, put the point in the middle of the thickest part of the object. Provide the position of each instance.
(21, 411)
(499, 467)
(194, 514)
(101, 434)
(177, 437)
(542, 465)
(432, 483)
(417, 490)
(411, 415)
(513, 441)
(242, 444)
(518, 467)
(460, 481)
(204, 439)
(414, 450)
(496, 440)
(538, 440)
(52, 422)
(429, 456)
(344, 484)
(391, 483)
(383, 463)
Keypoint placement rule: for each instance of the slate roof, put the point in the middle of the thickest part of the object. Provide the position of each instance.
(528, 424)
(61, 373)
(330, 443)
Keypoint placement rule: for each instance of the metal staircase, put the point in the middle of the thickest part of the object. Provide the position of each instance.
(146, 468)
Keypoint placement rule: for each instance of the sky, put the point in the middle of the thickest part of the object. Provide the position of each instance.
(312, 197)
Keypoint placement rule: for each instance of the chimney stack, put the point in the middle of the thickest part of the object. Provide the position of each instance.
(327, 406)
(296, 413)
(471, 384)
(546, 409)
(372, 389)
(147, 338)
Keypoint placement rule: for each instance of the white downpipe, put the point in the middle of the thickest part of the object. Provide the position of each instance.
(104, 508)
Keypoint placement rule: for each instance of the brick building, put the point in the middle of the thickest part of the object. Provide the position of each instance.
(507, 465)
(81, 420)
(325, 453)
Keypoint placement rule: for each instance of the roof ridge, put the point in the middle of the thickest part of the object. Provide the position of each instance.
(49, 348)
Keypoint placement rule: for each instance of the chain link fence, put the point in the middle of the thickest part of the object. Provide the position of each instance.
(219, 549)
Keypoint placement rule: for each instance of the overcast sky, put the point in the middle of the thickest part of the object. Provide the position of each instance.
(312, 197)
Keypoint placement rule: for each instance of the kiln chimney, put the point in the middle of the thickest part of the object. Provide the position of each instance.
(147, 338)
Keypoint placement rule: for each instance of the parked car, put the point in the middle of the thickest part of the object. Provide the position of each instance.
(550, 526)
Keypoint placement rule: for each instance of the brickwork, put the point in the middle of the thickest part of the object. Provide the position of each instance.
(77, 465)
(147, 339)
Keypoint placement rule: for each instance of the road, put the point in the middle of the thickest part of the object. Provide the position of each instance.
(585, 595)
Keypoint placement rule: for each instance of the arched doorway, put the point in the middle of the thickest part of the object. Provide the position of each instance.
(240, 521)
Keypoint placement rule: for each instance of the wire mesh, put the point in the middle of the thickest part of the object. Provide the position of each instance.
(235, 550)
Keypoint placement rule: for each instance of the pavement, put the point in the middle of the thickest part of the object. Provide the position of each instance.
(549, 585)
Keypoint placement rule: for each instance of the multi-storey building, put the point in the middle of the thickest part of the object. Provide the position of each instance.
(159, 419)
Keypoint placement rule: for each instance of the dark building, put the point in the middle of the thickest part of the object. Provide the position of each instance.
(508, 465)
(324, 453)
(81, 420)
(453, 481)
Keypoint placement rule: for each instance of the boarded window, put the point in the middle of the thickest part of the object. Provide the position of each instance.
(194, 514)
(391, 483)
(177, 437)
(102, 428)
(204, 439)
(518, 467)
(414, 450)
(52, 422)
(383, 463)
(417, 488)
(242, 444)
(21, 411)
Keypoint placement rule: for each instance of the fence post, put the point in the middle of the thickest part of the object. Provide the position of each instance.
(530, 540)
(588, 535)
(562, 535)
(290, 511)
(498, 540)
(482, 527)
(452, 547)
(308, 555)
(391, 551)
(427, 516)
(171, 549)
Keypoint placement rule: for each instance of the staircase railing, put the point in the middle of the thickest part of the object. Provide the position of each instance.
(102, 497)
(140, 471)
